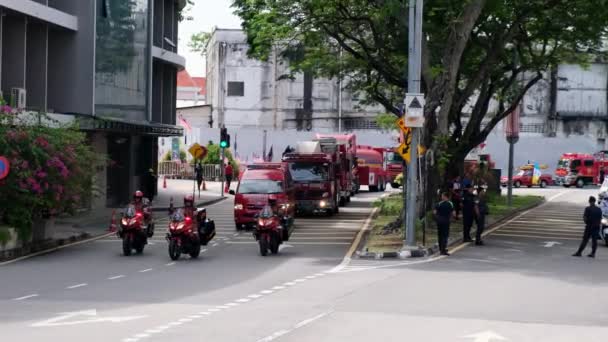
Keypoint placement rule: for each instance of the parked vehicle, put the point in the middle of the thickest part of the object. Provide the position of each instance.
(271, 229)
(183, 236)
(133, 231)
(315, 176)
(258, 184)
(525, 177)
(579, 169)
(394, 167)
(372, 168)
(345, 149)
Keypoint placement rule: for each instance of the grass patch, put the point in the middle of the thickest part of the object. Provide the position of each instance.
(390, 207)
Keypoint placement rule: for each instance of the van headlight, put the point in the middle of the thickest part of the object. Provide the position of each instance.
(322, 204)
(285, 206)
(238, 206)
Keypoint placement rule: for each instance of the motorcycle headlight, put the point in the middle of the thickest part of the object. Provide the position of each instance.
(322, 204)
(238, 206)
(125, 222)
(605, 221)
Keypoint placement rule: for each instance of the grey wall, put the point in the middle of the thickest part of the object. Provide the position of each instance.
(71, 58)
(13, 53)
(36, 72)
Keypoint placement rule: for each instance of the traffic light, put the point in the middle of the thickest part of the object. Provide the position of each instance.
(224, 138)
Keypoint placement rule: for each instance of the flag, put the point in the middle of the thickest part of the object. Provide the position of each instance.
(270, 154)
(536, 174)
(184, 123)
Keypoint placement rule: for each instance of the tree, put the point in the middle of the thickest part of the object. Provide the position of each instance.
(474, 52)
(198, 42)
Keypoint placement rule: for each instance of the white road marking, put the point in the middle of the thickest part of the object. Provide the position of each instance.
(170, 264)
(26, 297)
(76, 286)
(311, 277)
(235, 234)
(146, 270)
(215, 245)
(266, 292)
(278, 288)
(174, 324)
(485, 336)
(142, 335)
(116, 277)
(291, 283)
(303, 323)
(254, 296)
(300, 280)
(185, 320)
(195, 316)
(203, 250)
(222, 307)
(214, 310)
(243, 300)
(90, 316)
(231, 304)
(206, 313)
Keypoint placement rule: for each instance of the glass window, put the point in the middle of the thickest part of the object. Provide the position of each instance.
(588, 163)
(260, 186)
(309, 172)
(564, 163)
(236, 88)
(121, 59)
(575, 164)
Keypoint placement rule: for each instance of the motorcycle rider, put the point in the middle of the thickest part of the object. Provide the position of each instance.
(141, 204)
(204, 226)
(604, 202)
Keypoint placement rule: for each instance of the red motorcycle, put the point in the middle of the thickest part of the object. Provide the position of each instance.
(133, 231)
(183, 236)
(270, 231)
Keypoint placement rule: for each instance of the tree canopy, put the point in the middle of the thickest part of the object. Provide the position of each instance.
(473, 52)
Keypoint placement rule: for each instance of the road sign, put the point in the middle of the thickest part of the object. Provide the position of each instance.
(414, 110)
(4, 167)
(401, 124)
(197, 151)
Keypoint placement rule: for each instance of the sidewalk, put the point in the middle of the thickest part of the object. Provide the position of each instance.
(178, 188)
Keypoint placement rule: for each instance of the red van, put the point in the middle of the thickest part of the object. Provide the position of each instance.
(260, 183)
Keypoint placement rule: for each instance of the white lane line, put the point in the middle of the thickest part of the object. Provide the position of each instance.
(142, 335)
(266, 292)
(26, 297)
(203, 250)
(254, 296)
(146, 270)
(170, 264)
(311, 277)
(214, 310)
(232, 304)
(174, 324)
(278, 288)
(291, 283)
(222, 307)
(235, 234)
(116, 277)
(185, 320)
(243, 300)
(215, 245)
(302, 324)
(195, 316)
(130, 340)
(152, 331)
(206, 313)
(76, 286)
(320, 274)
(300, 280)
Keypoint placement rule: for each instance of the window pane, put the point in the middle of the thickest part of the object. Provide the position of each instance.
(236, 88)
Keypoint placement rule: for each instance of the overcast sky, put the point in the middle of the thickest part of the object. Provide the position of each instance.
(206, 14)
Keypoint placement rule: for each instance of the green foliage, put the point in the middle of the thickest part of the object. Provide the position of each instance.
(51, 169)
(213, 156)
(183, 155)
(198, 42)
(392, 205)
(387, 122)
(399, 179)
(5, 236)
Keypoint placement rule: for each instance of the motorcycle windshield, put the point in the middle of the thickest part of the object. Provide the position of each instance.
(178, 216)
(130, 212)
(266, 212)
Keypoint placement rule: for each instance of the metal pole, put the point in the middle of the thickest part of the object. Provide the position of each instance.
(510, 173)
(414, 61)
(264, 146)
(222, 169)
(340, 95)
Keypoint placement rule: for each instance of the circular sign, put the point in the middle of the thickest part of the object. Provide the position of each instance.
(4, 167)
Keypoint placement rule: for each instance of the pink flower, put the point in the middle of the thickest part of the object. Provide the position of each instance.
(6, 109)
(42, 142)
(25, 164)
(41, 174)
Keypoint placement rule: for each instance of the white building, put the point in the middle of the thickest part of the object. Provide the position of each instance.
(244, 92)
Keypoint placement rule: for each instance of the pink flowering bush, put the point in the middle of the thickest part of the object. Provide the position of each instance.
(51, 170)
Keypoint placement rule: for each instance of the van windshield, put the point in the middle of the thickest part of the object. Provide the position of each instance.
(394, 158)
(309, 172)
(563, 164)
(260, 186)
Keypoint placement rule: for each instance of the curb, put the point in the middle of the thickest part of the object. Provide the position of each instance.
(426, 252)
(200, 204)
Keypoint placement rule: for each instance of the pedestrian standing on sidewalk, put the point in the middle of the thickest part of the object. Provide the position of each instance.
(443, 214)
(593, 221)
(228, 175)
(198, 171)
(481, 211)
(456, 191)
(468, 212)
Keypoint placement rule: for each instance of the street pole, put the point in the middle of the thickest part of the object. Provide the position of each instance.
(340, 95)
(511, 141)
(264, 145)
(222, 169)
(413, 86)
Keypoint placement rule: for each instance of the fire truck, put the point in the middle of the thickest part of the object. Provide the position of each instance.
(345, 146)
(316, 177)
(372, 168)
(581, 169)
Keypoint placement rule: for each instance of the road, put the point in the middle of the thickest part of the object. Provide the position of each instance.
(522, 286)
(91, 290)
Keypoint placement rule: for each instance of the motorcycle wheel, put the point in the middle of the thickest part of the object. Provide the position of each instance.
(606, 241)
(274, 244)
(174, 251)
(139, 248)
(196, 251)
(263, 242)
(126, 245)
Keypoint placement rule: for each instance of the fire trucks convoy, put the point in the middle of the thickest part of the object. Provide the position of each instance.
(578, 169)
(372, 168)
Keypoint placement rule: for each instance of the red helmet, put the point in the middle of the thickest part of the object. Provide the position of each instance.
(138, 195)
(189, 201)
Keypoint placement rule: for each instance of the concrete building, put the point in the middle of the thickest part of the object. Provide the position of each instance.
(249, 93)
(109, 64)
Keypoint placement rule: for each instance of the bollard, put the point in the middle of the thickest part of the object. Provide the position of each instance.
(170, 205)
(165, 182)
(204, 185)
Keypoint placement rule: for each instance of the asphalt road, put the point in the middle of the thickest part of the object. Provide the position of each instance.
(522, 286)
(90, 291)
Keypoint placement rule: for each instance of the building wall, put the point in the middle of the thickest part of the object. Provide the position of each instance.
(267, 101)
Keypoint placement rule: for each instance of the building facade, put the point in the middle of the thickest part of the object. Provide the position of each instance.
(111, 65)
(190, 90)
(249, 93)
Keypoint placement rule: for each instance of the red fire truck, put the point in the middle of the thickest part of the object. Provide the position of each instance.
(580, 169)
(346, 148)
(316, 178)
(372, 168)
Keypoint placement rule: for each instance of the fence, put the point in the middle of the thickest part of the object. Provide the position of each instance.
(176, 169)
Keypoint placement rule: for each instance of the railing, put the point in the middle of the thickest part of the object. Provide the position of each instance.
(175, 169)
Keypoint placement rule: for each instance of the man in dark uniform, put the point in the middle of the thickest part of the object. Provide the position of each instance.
(593, 221)
(443, 214)
(481, 211)
(468, 212)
